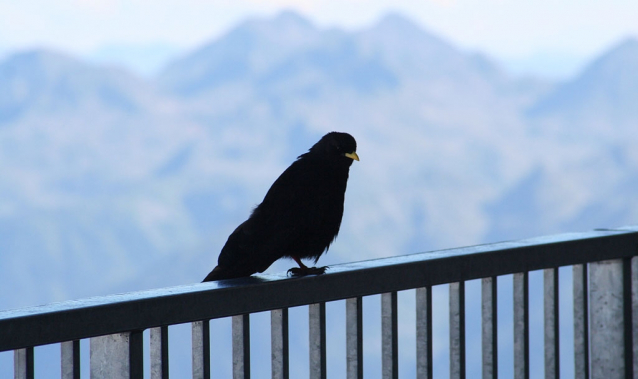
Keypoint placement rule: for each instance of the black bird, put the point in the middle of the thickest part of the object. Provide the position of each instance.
(299, 217)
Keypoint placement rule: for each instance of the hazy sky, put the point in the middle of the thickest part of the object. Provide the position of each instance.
(503, 28)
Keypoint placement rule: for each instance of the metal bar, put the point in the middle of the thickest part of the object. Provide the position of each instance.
(627, 317)
(457, 330)
(279, 343)
(317, 340)
(201, 349)
(136, 354)
(117, 356)
(634, 312)
(241, 346)
(424, 333)
(389, 336)
(489, 329)
(147, 309)
(354, 338)
(70, 357)
(552, 348)
(159, 352)
(23, 363)
(521, 325)
(581, 322)
(606, 314)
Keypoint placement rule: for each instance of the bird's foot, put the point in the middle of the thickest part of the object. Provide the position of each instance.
(303, 271)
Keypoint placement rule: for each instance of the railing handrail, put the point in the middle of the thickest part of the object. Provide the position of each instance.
(78, 319)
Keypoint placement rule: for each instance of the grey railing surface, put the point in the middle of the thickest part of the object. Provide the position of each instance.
(605, 284)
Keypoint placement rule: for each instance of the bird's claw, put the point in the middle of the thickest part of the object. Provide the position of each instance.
(298, 271)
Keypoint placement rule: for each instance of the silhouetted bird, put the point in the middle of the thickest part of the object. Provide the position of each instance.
(299, 217)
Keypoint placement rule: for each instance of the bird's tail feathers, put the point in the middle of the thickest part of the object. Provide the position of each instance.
(218, 273)
(221, 272)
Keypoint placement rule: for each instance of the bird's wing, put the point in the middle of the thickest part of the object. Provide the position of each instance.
(304, 207)
(290, 219)
(273, 226)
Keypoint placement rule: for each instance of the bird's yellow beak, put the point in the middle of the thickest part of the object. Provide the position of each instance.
(352, 156)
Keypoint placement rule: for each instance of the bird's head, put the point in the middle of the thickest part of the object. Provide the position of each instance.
(337, 146)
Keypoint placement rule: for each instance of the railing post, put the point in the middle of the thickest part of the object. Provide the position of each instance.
(424, 333)
(279, 343)
(117, 356)
(457, 330)
(201, 349)
(489, 327)
(70, 357)
(521, 325)
(628, 317)
(317, 340)
(389, 336)
(634, 313)
(23, 363)
(607, 319)
(552, 350)
(241, 346)
(354, 338)
(159, 352)
(581, 322)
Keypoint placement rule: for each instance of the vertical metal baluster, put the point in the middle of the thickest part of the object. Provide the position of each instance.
(117, 356)
(354, 338)
(279, 343)
(70, 356)
(628, 318)
(606, 315)
(457, 330)
(241, 346)
(159, 352)
(521, 325)
(23, 363)
(634, 313)
(581, 322)
(136, 354)
(489, 328)
(201, 349)
(317, 339)
(552, 349)
(424, 333)
(389, 336)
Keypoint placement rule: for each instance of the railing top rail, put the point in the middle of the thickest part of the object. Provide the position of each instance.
(91, 317)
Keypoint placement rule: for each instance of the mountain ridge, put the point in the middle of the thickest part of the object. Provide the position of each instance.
(48, 81)
(602, 98)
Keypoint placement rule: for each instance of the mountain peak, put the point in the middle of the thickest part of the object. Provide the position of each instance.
(606, 90)
(283, 24)
(39, 57)
(623, 54)
(626, 51)
(396, 29)
(52, 63)
(397, 22)
(253, 47)
(47, 81)
(628, 43)
(291, 18)
(399, 27)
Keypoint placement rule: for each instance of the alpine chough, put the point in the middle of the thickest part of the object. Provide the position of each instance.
(299, 217)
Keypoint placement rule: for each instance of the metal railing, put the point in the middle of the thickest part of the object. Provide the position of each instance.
(605, 286)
